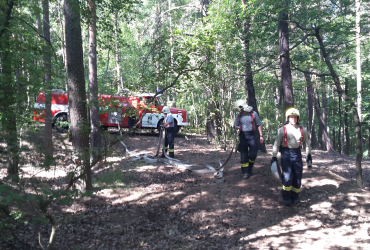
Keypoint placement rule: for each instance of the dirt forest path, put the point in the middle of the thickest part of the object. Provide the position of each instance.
(159, 206)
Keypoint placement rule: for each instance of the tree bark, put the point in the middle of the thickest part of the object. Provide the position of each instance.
(118, 55)
(8, 106)
(248, 75)
(358, 57)
(324, 144)
(285, 71)
(346, 98)
(325, 134)
(48, 87)
(334, 145)
(76, 88)
(340, 125)
(95, 137)
(310, 98)
(346, 124)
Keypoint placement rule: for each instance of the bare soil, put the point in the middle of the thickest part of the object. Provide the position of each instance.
(159, 206)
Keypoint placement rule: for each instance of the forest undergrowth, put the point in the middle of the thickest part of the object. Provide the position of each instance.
(157, 206)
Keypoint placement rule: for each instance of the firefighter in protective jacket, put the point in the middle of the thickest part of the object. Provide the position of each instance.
(288, 141)
(246, 122)
(169, 125)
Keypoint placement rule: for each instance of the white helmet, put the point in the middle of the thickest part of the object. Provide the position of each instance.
(247, 108)
(239, 104)
(166, 110)
(292, 111)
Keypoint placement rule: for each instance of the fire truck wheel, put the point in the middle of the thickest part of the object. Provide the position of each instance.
(60, 123)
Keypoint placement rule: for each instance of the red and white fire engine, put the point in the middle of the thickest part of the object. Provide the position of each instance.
(113, 110)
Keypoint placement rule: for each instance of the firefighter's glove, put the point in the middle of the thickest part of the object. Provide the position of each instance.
(273, 159)
(309, 158)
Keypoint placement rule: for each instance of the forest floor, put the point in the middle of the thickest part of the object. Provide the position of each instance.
(159, 206)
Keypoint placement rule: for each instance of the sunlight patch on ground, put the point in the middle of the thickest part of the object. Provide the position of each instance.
(31, 171)
(321, 182)
(319, 206)
(146, 168)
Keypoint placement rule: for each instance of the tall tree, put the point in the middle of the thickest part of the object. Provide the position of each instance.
(48, 88)
(358, 57)
(310, 100)
(95, 137)
(356, 117)
(248, 75)
(76, 88)
(285, 71)
(8, 92)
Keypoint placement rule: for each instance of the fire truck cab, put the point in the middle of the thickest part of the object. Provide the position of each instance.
(114, 110)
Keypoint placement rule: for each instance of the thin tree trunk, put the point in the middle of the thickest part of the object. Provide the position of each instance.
(334, 145)
(310, 98)
(324, 132)
(48, 87)
(76, 88)
(358, 57)
(324, 113)
(346, 124)
(118, 55)
(95, 138)
(346, 98)
(340, 125)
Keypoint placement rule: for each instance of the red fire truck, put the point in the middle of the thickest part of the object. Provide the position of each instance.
(113, 110)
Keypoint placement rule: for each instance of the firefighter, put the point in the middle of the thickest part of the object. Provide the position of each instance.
(169, 125)
(131, 119)
(246, 122)
(288, 142)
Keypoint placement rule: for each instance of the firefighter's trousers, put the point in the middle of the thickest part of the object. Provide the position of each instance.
(131, 123)
(292, 167)
(169, 141)
(248, 149)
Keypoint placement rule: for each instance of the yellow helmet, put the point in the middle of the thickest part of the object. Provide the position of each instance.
(292, 111)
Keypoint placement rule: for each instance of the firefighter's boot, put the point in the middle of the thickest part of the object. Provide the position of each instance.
(294, 197)
(286, 198)
(251, 164)
(245, 171)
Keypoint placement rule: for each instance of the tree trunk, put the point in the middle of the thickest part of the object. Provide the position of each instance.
(285, 71)
(358, 57)
(310, 98)
(346, 124)
(8, 106)
(76, 88)
(118, 56)
(48, 87)
(325, 134)
(324, 114)
(346, 98)
(334, 145)
(368, 143)
(95, 138)
(248, 76)
(340, 125)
